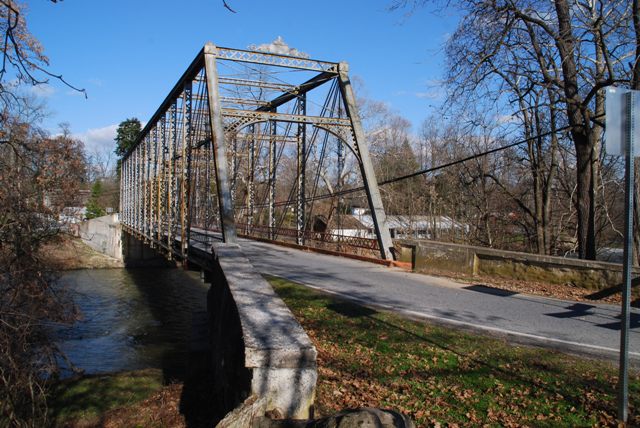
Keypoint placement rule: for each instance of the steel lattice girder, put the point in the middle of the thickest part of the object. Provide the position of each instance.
(158, 181)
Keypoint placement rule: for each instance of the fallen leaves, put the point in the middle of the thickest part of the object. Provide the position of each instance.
(445, 378)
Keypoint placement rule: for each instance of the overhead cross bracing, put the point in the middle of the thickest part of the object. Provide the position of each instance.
(254, 143)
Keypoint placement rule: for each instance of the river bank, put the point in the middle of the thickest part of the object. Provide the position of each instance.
(130, 343)
(67, 252)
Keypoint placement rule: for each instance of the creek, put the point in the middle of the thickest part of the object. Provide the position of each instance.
(131, 319)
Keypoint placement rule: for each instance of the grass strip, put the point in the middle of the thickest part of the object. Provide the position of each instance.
(444, 377)
(88, 398)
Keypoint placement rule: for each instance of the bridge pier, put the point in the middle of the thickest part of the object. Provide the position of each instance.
(136, 253)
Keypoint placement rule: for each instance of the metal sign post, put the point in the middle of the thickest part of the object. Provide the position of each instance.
(622, 135)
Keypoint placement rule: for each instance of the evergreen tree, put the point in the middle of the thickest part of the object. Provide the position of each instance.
(94, 208)
(126, 136)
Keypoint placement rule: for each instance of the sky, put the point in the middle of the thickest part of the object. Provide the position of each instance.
(129, 54)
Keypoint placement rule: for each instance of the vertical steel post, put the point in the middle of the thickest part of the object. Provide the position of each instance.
(153, 190)
(145, 186)
(136, 188)
(161, 179)
(234, 168)
(273, 154)
(208, 158)
(129, 162)
(250, 182)
(302, 151)
(122, 191)
(623, 377)
(341, 160)
(132, 189)
(140, 190)
(194, 208)
(173, 140)
(183, 174)
(141, 154)
(227, 215)
(186, 169)
(366, 167)
(150, 186)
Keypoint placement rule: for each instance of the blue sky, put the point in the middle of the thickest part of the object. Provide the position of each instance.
(129, 54)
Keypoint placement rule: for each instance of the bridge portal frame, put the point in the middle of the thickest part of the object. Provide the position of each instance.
(145, 187)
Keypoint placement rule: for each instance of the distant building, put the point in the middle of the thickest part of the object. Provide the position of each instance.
(344, 225)
(72, 215)
(360, 224)
(53, 198)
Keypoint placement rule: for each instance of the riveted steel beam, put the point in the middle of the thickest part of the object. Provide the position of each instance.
(301, 173)
(366, 167)
(265, 58)
(225, 202)
(251, 198)
(273, 155)
(276, 86)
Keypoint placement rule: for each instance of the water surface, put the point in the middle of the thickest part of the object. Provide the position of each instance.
(132, 318)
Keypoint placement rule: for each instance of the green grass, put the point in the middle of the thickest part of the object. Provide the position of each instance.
(443, 376)
(89, 397)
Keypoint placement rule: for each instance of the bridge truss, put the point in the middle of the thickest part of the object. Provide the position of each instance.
(259, 145)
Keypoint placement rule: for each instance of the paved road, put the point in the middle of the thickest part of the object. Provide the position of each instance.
(575, 327)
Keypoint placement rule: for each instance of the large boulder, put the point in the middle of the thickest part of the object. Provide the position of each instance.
(355, 418)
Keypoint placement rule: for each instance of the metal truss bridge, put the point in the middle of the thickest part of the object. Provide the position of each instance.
(258, 145)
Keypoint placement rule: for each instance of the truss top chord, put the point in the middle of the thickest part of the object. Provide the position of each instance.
(276, 60)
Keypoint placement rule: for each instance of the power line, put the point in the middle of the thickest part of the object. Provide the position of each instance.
(439, 167)
(474, 156)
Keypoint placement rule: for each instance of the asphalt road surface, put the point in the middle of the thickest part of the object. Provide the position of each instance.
(576, 327)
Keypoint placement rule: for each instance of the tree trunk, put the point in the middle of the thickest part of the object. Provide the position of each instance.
(552, 172)
(580, 132)
(537, 161)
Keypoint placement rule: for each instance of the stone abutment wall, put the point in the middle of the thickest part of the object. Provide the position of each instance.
(103, 234)
(258, 348)
(427, 256)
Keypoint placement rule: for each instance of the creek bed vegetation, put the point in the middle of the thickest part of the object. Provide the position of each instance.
(84, 400)
(444, 377)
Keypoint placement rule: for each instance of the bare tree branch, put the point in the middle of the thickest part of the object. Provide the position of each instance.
(226, 5)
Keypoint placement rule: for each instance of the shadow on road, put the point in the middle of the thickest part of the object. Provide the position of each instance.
(490, 290)
(634, 322)
(574, 311)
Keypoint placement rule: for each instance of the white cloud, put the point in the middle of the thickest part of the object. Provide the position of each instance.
(43, 90)
(99, 139)
(96, 82)
(279, 47)
(434, 94)
(73, 93)
(504, 119)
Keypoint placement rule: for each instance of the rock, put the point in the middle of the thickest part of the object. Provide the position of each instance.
(356, 418)
(245, 415)
(364, 418)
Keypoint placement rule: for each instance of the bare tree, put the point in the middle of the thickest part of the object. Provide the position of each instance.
(23, 58)
(39, 175)
(569, 48)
